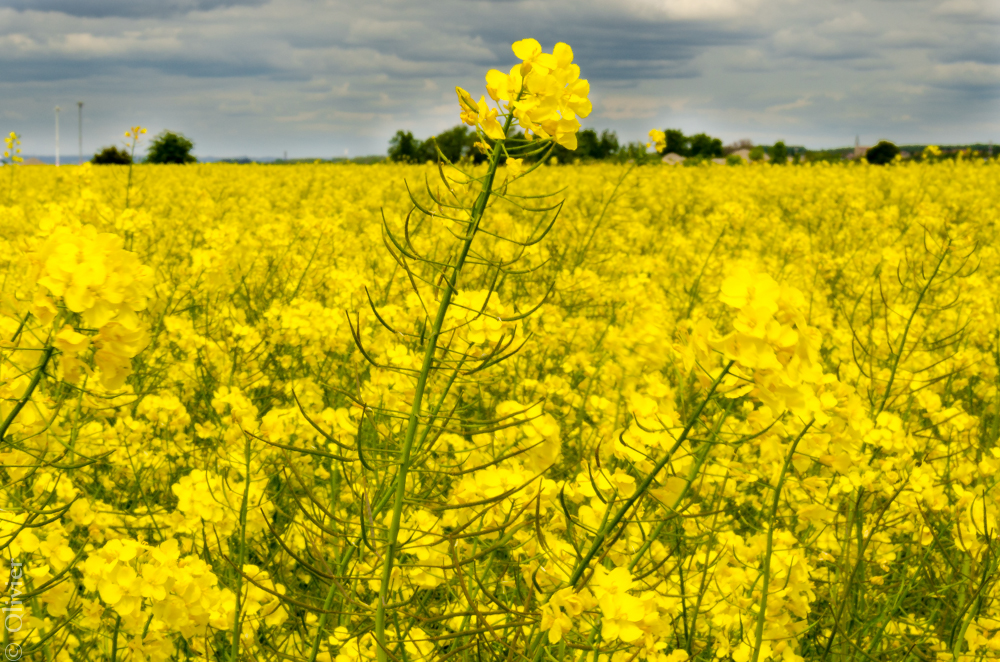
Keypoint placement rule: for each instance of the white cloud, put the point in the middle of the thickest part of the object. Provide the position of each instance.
(801, 102)
(792, 42)
(699, 9)
(849, 24)
(304, 116)
(628, 107)
(968, 73)
(978, 10)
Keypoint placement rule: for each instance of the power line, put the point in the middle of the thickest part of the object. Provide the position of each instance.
(57, 134)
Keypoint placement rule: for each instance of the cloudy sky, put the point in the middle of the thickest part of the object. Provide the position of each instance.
(322, 78)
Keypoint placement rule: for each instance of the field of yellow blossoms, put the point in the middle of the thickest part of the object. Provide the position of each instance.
(736, 413)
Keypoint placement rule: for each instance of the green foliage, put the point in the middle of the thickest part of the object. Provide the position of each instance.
(734, 160)
(456, 144)
(170, 147)
(882, 153)
(112, 156)
(779, 153)
(699, 145)
(757, 153)
(403, 147)
(635, 152)
(676, 142)
(705, 146)
(697, 160)
(827, 155)
(590, 146)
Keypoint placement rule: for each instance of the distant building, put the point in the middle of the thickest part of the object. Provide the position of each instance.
(673, 159)
(859, 149)
(33, 161)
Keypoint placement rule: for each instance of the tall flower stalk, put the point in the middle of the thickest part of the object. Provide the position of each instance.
(543, 94)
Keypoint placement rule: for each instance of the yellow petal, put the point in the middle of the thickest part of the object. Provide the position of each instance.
(563, 54)
(498, 85)
(547, 60)
(69, 341)
(110, 592)
(526, 48)
(492, 129)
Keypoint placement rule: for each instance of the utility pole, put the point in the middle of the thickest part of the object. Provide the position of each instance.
(57, 134)
(79, 107)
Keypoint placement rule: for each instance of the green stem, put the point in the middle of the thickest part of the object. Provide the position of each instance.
(131, 162)
(234, 653)
(114, 638)
(36, 378)
(762, 609)
(641, 490)
(392, 539)
(535, 645)
(322, 621)
(906, 330)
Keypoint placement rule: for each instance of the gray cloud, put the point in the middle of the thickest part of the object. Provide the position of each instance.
(318, 77)
(124, 8)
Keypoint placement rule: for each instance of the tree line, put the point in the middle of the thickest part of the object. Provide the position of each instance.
(458, 143)
(166, 147)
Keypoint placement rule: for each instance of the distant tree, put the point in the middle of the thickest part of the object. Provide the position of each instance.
(608, 145)
(676, 143)
(426, 151)
(757, 153)
(170, 147)
(454, 143)
(779, 153)
(403, 147)
(589, 146)
(700, 145)
(112, 156)
(634, 152)
(734, 160)
(882, 153)
(705, 146)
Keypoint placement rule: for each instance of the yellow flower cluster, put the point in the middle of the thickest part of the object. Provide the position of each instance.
(657, 140)
(743, 414)
(93, 276)
(545, 93)
(12, 148)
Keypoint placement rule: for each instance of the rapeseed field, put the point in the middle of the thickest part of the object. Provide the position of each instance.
(417, 412)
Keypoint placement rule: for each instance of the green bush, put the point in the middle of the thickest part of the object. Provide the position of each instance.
(779, 153)
(170, 147)
(882, 153)
(112, 156)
